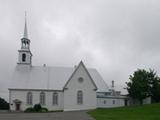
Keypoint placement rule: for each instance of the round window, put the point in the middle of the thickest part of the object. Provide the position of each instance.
(80, 80)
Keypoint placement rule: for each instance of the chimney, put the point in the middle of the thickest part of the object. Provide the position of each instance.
(44, 65)
(112, 83)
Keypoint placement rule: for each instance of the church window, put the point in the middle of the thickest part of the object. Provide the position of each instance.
(55, 98)
(79, 97)
(113, 101)
(104, 101)
(23, 57)
(42, 98)
(80, 80)
(29, 98)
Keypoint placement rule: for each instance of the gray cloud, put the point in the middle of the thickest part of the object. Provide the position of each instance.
(114, 36)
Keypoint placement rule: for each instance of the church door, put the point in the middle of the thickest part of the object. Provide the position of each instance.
(17, 106)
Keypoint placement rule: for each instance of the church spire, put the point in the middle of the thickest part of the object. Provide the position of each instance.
(25, 27)
(25, 41)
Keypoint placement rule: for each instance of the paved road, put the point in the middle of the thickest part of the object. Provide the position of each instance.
(76, 115)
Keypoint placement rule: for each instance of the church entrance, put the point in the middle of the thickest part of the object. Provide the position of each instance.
(17, 104)
(17, 107)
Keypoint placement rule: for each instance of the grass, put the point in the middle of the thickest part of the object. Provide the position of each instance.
(144, 112)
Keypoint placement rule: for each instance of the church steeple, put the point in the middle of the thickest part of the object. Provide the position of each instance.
(25, 55)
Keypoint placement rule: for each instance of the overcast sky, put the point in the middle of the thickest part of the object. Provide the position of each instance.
(114, 36)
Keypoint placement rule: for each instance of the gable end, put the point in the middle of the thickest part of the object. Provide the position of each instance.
(81, 63)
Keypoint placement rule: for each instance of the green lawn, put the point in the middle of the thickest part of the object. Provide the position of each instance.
(145, 112)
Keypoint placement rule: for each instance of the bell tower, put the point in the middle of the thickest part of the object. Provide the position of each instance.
(25, 55)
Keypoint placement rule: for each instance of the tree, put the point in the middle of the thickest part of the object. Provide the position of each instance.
(138, 87)
(3, 104)
(154, 82)
(144, 84)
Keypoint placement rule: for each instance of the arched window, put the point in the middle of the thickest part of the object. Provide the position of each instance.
(23, 57)
(42, 98)
(55, 98)
(113, 101)
(29, 98)
(79, 97)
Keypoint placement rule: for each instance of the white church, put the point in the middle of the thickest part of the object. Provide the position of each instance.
(58, 88)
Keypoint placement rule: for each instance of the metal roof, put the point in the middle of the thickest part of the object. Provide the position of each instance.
(44, 77)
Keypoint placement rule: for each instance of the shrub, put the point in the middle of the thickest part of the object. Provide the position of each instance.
(30, 109)
(37, 107)
(44, 110)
